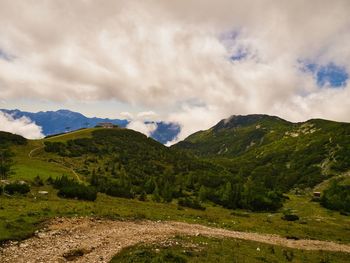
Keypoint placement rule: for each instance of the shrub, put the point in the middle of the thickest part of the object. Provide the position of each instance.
(337, 197)
(1, 189)
(191, 203)
(16, 188)
(143, 196)
(78, 191)
(290, 217)
(38, 181)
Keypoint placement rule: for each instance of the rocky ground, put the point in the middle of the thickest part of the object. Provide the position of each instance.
(98, 240)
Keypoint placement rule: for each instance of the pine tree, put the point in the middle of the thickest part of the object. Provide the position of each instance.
(94, 178)
(202, 194)
(6, 163)
(150, 185)
(167, 193)
(156, 196)
(227, 195)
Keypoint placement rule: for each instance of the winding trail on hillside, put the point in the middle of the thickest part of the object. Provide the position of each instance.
(98, 240)
(30, 156)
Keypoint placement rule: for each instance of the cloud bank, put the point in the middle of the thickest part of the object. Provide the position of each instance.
(143, 122)
(194, 62)
(22, 126)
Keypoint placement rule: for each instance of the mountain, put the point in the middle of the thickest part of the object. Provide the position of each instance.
(242, 162)
(279, 153)
(55, 122)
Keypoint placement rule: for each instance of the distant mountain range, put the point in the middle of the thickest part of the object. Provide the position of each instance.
(54, 122)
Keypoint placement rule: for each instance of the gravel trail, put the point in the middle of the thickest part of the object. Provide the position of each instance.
(98, 240)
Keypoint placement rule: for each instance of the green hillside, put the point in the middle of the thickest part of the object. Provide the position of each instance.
(278, 153)
(136, 177)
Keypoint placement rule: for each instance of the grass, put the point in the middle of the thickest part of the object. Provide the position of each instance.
(207, 250)
(26, 168)
(20, 216)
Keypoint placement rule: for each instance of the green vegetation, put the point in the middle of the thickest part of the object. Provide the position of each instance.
(6, 161)
(159, 183)
(22, 219)
(16, 188)
(124, 163)
(337, 196)
(68, 188)
(191, 203)
(203, 249)
(275, 153)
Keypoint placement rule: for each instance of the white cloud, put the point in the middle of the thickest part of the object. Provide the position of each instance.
(144, 122)
(166, 55)
(147, 116)
(22, 126)
(141, 126)
(126, 115)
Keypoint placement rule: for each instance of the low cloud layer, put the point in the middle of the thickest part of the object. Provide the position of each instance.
(143, 122)
(22, 126)
(193, 62)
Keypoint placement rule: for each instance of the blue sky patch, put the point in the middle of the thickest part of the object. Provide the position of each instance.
(241, 54)
(330, 74)
(5, 56)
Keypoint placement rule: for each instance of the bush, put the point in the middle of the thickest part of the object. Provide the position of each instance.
(78, 191)
(290, 217)
(191, 203)
(1, 189)
(16, 188)
(337, 197)
(38, 181)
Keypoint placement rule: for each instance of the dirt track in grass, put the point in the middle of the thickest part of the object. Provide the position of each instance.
(98, 240)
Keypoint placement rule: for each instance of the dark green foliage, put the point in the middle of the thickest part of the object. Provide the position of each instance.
(1, 189)
(150, 256)
(7, 138)
(38, 181)
(337, 196)
(290, 217)
(68, 188)
(6, 163)
(156, 195)
(78, 191)
(143, 196)
(16, 188)
(191, 203)
(280, 154)
(125, 163)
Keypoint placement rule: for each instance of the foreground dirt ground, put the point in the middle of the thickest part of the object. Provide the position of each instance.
(95, 240)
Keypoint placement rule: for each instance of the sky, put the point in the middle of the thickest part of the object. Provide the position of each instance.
(194, 62)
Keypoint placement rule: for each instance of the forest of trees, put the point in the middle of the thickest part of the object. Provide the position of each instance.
(126, 164)
(6, 155)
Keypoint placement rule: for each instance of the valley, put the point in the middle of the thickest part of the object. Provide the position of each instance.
(253, 187)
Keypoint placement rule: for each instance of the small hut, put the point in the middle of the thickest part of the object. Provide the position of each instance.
(317, 194)
(106, 125)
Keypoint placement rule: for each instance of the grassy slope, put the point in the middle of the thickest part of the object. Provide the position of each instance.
(299, 154)
(21, 219)
(207, 250)
(83, 133)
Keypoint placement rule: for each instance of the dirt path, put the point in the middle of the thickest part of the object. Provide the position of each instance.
(30, 156)
(99, 240)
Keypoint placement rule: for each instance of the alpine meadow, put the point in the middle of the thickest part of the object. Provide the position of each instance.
(174, 131)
